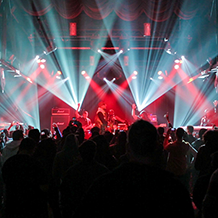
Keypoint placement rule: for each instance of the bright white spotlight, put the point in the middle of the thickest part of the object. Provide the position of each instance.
(37, 56)
(87, 77)
(135, 72)
(17, 75)
(160, 77)
(113, 80)
(159, 72)
(43, 61)
(168, 51)
(104, 79)
(176, 61)
(183, 57)
(50, 51)
(58, 77)
(176, 66)
(59, 72)
(29, 80)
(128, 49)
(121, 51)
(134, 77)
(83, 72)
(166, 39)
(42, 66)
(99, 50)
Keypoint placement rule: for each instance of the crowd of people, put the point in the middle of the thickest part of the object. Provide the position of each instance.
(141, 171)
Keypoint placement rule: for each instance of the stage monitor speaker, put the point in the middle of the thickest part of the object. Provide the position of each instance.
(61, 121)
(60, 111)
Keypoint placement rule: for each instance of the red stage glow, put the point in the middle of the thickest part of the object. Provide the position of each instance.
(73, 29)
(98, 90)
(110, 48)
(147, 29)
(75, 48)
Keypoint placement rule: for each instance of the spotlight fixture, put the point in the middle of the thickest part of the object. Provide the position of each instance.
(42, 66)
(169, 50)
(183, 57)
(121, 51)
(50, 50)
(166, 39)
(29, 80)
(99, 50)
(190, 80)
(134, 77)
(104, 79)
(159, 72)
(59, 72)
(176, 66)
(160, 77)
(177, 61)
(39, 60)
(18, 75)
(113, 80)
(83, 72)
(135, 72)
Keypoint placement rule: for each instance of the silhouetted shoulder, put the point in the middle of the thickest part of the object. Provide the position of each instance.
(135, 189)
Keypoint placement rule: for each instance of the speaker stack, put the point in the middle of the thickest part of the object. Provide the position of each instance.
(60, 116)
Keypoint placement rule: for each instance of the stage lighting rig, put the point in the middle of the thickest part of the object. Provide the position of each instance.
(49, 50)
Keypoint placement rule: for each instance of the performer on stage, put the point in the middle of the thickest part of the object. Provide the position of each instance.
(143, 114)
(211, 116)
(214, 113)
(84, 119)
(113, 121)
(101, 117)
(205, 120)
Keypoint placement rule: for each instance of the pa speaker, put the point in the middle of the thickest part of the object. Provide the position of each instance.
(61, 121)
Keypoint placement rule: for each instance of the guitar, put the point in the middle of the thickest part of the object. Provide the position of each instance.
(89, 127)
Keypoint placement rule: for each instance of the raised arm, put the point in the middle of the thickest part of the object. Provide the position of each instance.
(12, 124)
(135, 117)
(77, 111)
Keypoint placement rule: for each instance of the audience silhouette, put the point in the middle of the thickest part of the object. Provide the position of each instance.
(203, 159)
(138, 188)
(26, 184)
(79, 177)
(11, 148)
(103, 155)
(129, 174)
(66, 158)
(45, 153)
(178, 162)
